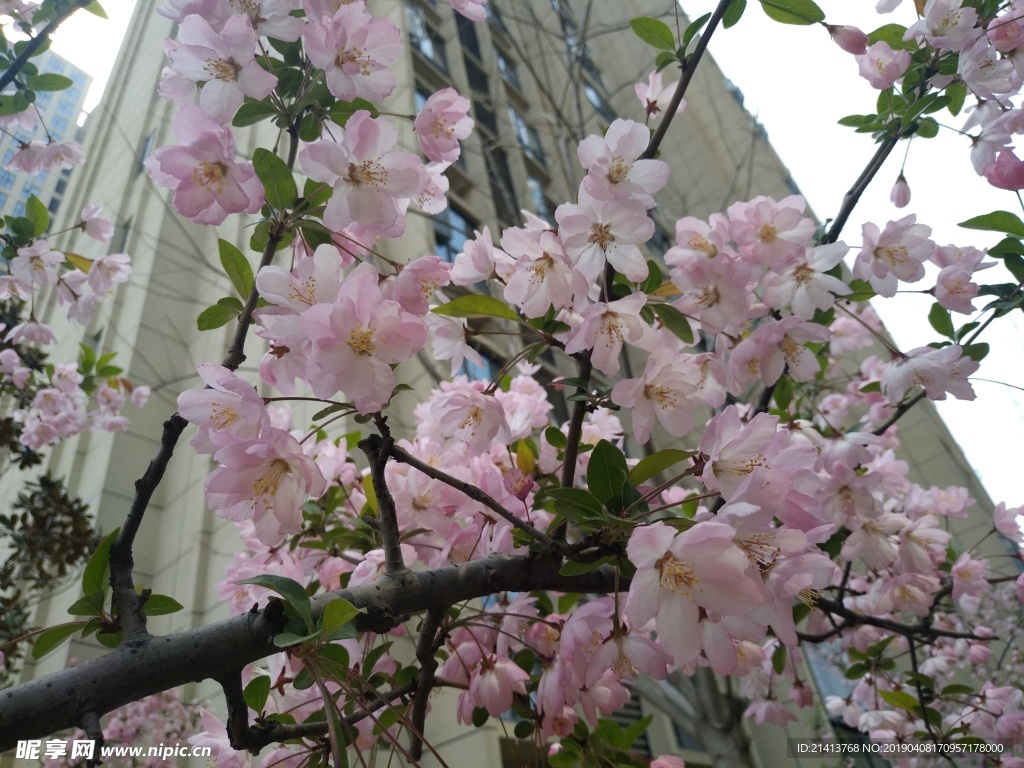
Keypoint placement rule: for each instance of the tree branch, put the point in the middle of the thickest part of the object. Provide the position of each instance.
(853, 196)
(477, 495)
(426, 647)
(238, 710)
(55, 702)
(378, 449)
(33, 45)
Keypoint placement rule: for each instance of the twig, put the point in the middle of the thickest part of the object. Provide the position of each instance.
(900, 410)
(238, 710)
(854, 194)
(426, 647)
(30, 49)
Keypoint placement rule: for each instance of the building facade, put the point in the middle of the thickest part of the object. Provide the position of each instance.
(542, 74)
(58, 113)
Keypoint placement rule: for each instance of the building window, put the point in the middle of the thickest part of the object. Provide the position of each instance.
(484, 372)
(542, 204)
(78, 78)
(3, 199)
(29, 190)
(477, 77)
(527, 135)
(54, 204)
(66, 107)
(598, 103)
(467, 34)
(43, 98)
(73, 94)
(452, 228)
(7, 180)
(424, 39)
(59, 126)
(494, 17)
(508, 69)
(147, 147)
(119, 241)
(503, 190)
(56, 66)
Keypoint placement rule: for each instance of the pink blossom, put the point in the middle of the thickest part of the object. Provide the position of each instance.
(656, 97)
(1006, 32)
(606, 327)
(265, 480)
(678, 575)
(355, 51)
(480, 260)
(770, 712)
(419, 281)
(271, 18)
(946, 25)
(542, 277)
(882, 66)
(37, 264)
(208, 184)
(954, 289)
(614, 168)
(441, 124)
(371, 182)
(668, 761)
(227, 409)
(495, 682)
(357, 339)
(773, 346)
(969, 576)
(1006, 521)
(804, 284)
(225, 62)
(666, 392)
(896, 253)
(1006, 171)
(850, 39)
(313, 280)
(708, 289)
(35, 156)
(770, 233)
(465, 413)
(95, 226)
(106, 271)
(937, 370)
(627, 657)
(599, 232)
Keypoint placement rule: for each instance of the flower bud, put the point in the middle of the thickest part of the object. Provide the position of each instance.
(900, 195)
(850, 39)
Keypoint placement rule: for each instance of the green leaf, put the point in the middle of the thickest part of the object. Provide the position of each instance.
(278, 182)
(1015, 264)
(651, 465)
(216, 316)
(607, 471)
(293, 592)
(161, 605)
(288, 639)
(675, 321)
(576, 504)
(633, 732)
(48, 82)
(96, 9)
(52, 637)
(860, 290)
(341, 111)
(927, 128)
(38, 215)
(479, 717)
(336, 614)
(940, 320)
(856, 671)
(654, 32)
(252, 112)
(563, 759)
(855, 121)
(476, 305)
(977, 352)
(664, 59)
(693, 29)
(783, 392)
(891, 34)
(237, 268)
(556, 438)
(94, 577)
(952, 690)
(997, 221)
(256, 693)
(779, 656)
(793, 11)
(90, 605)
(733, 13)
(901, 700)
(523, 729)
(573, 568)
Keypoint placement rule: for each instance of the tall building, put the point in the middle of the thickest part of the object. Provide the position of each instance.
(58, 113)
(542, 74)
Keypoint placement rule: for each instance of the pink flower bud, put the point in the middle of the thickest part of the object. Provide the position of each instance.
(900, 195)
(850, 39)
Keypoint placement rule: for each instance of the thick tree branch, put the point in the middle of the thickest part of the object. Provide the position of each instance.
(58, 701)
(238, 710)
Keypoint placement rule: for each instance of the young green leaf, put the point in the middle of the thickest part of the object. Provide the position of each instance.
(654, 32)
(237, 268)
(216, 316)
(997, 221)
(257, 692)
(802, 12)
(733, 13)
(940, 320)
(476, 306)
(52, 637)
(94, 577)
(278, 182)
(651, 465)
(38, 215)
(336, 614)
(161, 605)
(293, 592)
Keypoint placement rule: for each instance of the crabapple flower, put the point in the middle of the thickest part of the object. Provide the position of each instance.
(356, 52)
(656, 97)
(666, 392)
(37, 264)
(371, 182)
(881, 66)
(264, 480)
(896, 253)
(467, 414)
(937, 370)
(314, 280)
(474, 10)
(208, 184)
(357, 339)
(805, 285)
(599, 232)
(614, 168)
(606, 327)
(954, 289)
(968, 576)
(107, 271)
(480, 260)
(441, 124)
(677, 576)
(228, 409)
(770, 233)
(225, 62)
(708, 292)
(1006, 171)
(36, 156)
(495, 682)
(735, 450)
(542, 277)
(95, 226)
(271, 18)
(668, 761)
(946, 25)
(1006, 521)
